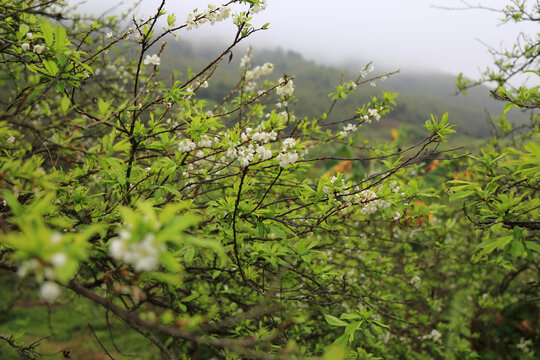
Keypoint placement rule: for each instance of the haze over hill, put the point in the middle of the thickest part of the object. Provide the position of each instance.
(413, 35)
(420, 93)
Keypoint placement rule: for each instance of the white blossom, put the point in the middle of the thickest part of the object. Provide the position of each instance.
(231, 152)
(152, 59)
(250, 85)
(109, 35)
(25, 46)
(288, 143)
(374, 113)
(370, 202)
(190, 21)
(264, 137)
(259, 71)
(246, 135)
(434, 335)
(186, 145)
(245, 155)
(524, 345)
(29, 35)
(59, 259)
(49, 291)
(11, 139)
(416, 281)
(258, 7)
(27, 267)
(38, 49)
(55, 238)
(286, 89)
(348, 129)
(285, 159)
(143, 255)
(264, 153)
(205, 141)
(246, 59)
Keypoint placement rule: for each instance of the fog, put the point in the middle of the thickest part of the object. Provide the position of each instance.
(411, 35)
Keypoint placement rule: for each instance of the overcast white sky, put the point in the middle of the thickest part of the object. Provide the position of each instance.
(394, 33)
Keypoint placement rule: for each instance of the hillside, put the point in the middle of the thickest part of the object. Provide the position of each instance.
(420, 94)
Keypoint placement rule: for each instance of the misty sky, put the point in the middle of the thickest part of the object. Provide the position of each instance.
(393, 33)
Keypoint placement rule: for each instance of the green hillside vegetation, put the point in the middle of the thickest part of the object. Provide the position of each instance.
(419, 93)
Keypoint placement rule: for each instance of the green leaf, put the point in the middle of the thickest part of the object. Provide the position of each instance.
(171, 279)
(507, 107)
(533, 246)
(47, 32)
(169, 262)
(172, 190)
(103, 107)
(23, 30)
(278, 231)
(516, 249)
(64, 104)
(51, 67)
(335, 352)
(490, 245)
(341, 341)
(61, 38)
(461, 194)
(332, 320)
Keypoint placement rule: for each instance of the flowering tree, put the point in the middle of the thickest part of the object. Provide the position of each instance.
(211, 228)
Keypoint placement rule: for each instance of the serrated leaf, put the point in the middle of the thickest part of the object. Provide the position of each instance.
(47, 32)
(533, 246)
(332, 320)
(461, 194)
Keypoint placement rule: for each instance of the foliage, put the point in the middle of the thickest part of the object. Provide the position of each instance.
(223, 229)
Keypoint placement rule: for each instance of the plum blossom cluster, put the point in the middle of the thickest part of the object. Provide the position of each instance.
(255, 73)
(524, 345)
(36, 48)
(211, 15)
(152, 59)
(351, 85)
(371, 114)
(434, 335)
(256, 8)
(44, 270)
(188, 145)
(416, 281)
(246, 59)
(349, 128)
(287, 89)
(288, 154)
(143, 254)
(366, 70)
(367, 199)
(255, 144)
(259, 71)
(370, 201)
